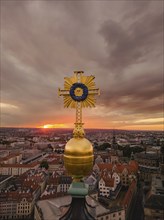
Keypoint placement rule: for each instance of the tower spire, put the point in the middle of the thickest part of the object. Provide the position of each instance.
(79, 92)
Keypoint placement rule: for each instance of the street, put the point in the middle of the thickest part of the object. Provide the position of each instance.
(137, 212)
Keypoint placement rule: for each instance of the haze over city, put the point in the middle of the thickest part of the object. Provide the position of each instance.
(120, 43)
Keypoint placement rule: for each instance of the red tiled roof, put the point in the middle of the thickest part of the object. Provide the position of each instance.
(103, 166)
(109, 182)
(53, 195)
(134, 163)
(57, 156)
(54, 180)
(31, 165)
(11, 156)
(55, 161)
(16, 196)
(117, 167)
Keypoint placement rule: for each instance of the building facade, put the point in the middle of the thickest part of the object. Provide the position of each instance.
(16, 205)
(154, 202)
(148, 164)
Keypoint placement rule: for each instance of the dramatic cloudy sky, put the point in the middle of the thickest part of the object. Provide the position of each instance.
(120, 42)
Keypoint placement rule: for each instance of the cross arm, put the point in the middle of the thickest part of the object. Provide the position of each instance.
(63, 92)
(94, 92)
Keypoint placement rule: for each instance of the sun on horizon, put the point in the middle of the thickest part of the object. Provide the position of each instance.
(54, 126)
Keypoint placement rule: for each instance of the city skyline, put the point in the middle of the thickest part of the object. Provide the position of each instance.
(120, 43)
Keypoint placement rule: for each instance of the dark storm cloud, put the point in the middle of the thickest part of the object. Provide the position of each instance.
(133, 45)
(119, 42)
(140, 95)
(127, 46)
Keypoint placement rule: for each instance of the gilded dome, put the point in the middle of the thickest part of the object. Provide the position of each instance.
(78, 157)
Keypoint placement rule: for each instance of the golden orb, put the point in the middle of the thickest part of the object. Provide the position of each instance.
(78, 157)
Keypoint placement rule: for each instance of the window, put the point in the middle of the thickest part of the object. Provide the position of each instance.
(114, 215)
(106, 217)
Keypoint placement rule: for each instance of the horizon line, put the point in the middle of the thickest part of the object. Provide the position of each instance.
(13, 127)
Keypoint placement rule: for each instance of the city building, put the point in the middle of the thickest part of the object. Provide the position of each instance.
(17, 169)
(109, 184)
(126, 171)
(16, 205)
(91, 181)
(11, 159)
(154, 201)
(148, 164)
(17, 200)
(57, 185)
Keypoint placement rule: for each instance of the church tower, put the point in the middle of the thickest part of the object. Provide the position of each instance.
(114, 147)
(114, 143)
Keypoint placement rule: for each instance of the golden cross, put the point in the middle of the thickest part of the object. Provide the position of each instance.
(79, 92)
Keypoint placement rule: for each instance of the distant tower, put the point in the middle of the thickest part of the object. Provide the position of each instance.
(132, 156)
(114, 143)
(145, 148)
(114, 155)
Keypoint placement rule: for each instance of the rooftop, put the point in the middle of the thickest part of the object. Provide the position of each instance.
(155, 202)
(155, 197)
(57, 207)
(123, 198)
(118, 167)
(3, 178)
(157, 186)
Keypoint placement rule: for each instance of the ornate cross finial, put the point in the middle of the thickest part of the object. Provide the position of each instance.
(79, 92)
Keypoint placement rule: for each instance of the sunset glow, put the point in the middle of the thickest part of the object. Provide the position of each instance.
(99, 125)
(54, 126)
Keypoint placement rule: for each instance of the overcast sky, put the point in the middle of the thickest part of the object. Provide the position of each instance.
(120, 42)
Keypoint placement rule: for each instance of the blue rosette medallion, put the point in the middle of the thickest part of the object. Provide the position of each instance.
(78, 92)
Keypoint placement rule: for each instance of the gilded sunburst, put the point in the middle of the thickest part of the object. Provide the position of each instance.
(79, 88)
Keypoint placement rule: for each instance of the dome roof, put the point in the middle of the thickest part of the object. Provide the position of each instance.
(78, 156)
(79, 147)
